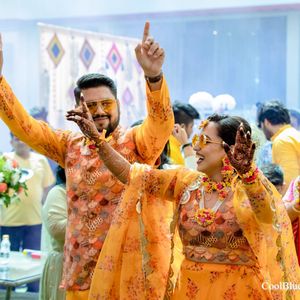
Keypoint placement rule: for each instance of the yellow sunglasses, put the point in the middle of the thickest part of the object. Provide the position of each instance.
(202, 140)
(107, 105)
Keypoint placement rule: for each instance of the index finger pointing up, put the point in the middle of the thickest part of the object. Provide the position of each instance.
(83, 104)
(146, 31)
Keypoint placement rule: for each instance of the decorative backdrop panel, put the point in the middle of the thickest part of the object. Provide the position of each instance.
(67, 54)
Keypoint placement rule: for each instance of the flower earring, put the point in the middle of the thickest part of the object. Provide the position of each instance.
(227, 170)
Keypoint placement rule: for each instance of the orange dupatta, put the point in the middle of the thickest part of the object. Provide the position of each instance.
(272, 244)
(135, 259)
(135, 262)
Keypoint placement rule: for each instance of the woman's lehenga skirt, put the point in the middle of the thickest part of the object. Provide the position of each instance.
(220, 281)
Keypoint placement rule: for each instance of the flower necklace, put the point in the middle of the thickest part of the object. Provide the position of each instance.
(206, 216)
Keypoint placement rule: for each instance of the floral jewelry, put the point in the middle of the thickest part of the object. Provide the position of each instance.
(89, 143)
(250, 176)
(92, 144)
(206, 216)
(227, 169)
(211, 186)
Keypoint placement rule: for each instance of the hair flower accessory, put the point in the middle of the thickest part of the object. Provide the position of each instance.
(12, 180)
(203, 124)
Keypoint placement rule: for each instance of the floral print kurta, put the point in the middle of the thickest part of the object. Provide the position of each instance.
(92, 192)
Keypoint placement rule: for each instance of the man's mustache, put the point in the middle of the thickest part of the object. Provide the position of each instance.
(101, 116)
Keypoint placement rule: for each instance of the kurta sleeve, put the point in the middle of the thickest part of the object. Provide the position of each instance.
(37, 134)
(153, 134)
(55, 213)
(260, 199)
(165, 184)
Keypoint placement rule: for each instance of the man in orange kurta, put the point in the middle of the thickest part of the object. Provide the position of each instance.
(92, 192)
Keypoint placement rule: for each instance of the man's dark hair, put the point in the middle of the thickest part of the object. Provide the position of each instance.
(184, 113)
(274, 173)
(94, 80)
(274, 111)
(228, 126)
(165, 156)
(60, 175)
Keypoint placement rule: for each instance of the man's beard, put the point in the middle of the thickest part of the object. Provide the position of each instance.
(268, 134)
(111, 126)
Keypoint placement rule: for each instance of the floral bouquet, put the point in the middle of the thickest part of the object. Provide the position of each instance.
(12, 180)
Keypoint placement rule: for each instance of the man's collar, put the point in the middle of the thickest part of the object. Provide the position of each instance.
(284, 127)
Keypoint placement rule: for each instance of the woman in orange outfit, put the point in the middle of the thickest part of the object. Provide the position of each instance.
(236, 235)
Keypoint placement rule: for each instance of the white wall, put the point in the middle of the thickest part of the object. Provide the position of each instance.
(18, 20)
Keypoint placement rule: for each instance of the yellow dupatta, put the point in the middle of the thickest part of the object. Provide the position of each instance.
(273, 244)
(136, 261)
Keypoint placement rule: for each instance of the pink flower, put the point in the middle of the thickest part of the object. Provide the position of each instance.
(226, 168)
(219, 186)
(3, 187)
(14, 164)
(223, 194)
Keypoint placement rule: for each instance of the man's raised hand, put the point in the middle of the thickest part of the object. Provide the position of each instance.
(149, 54)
